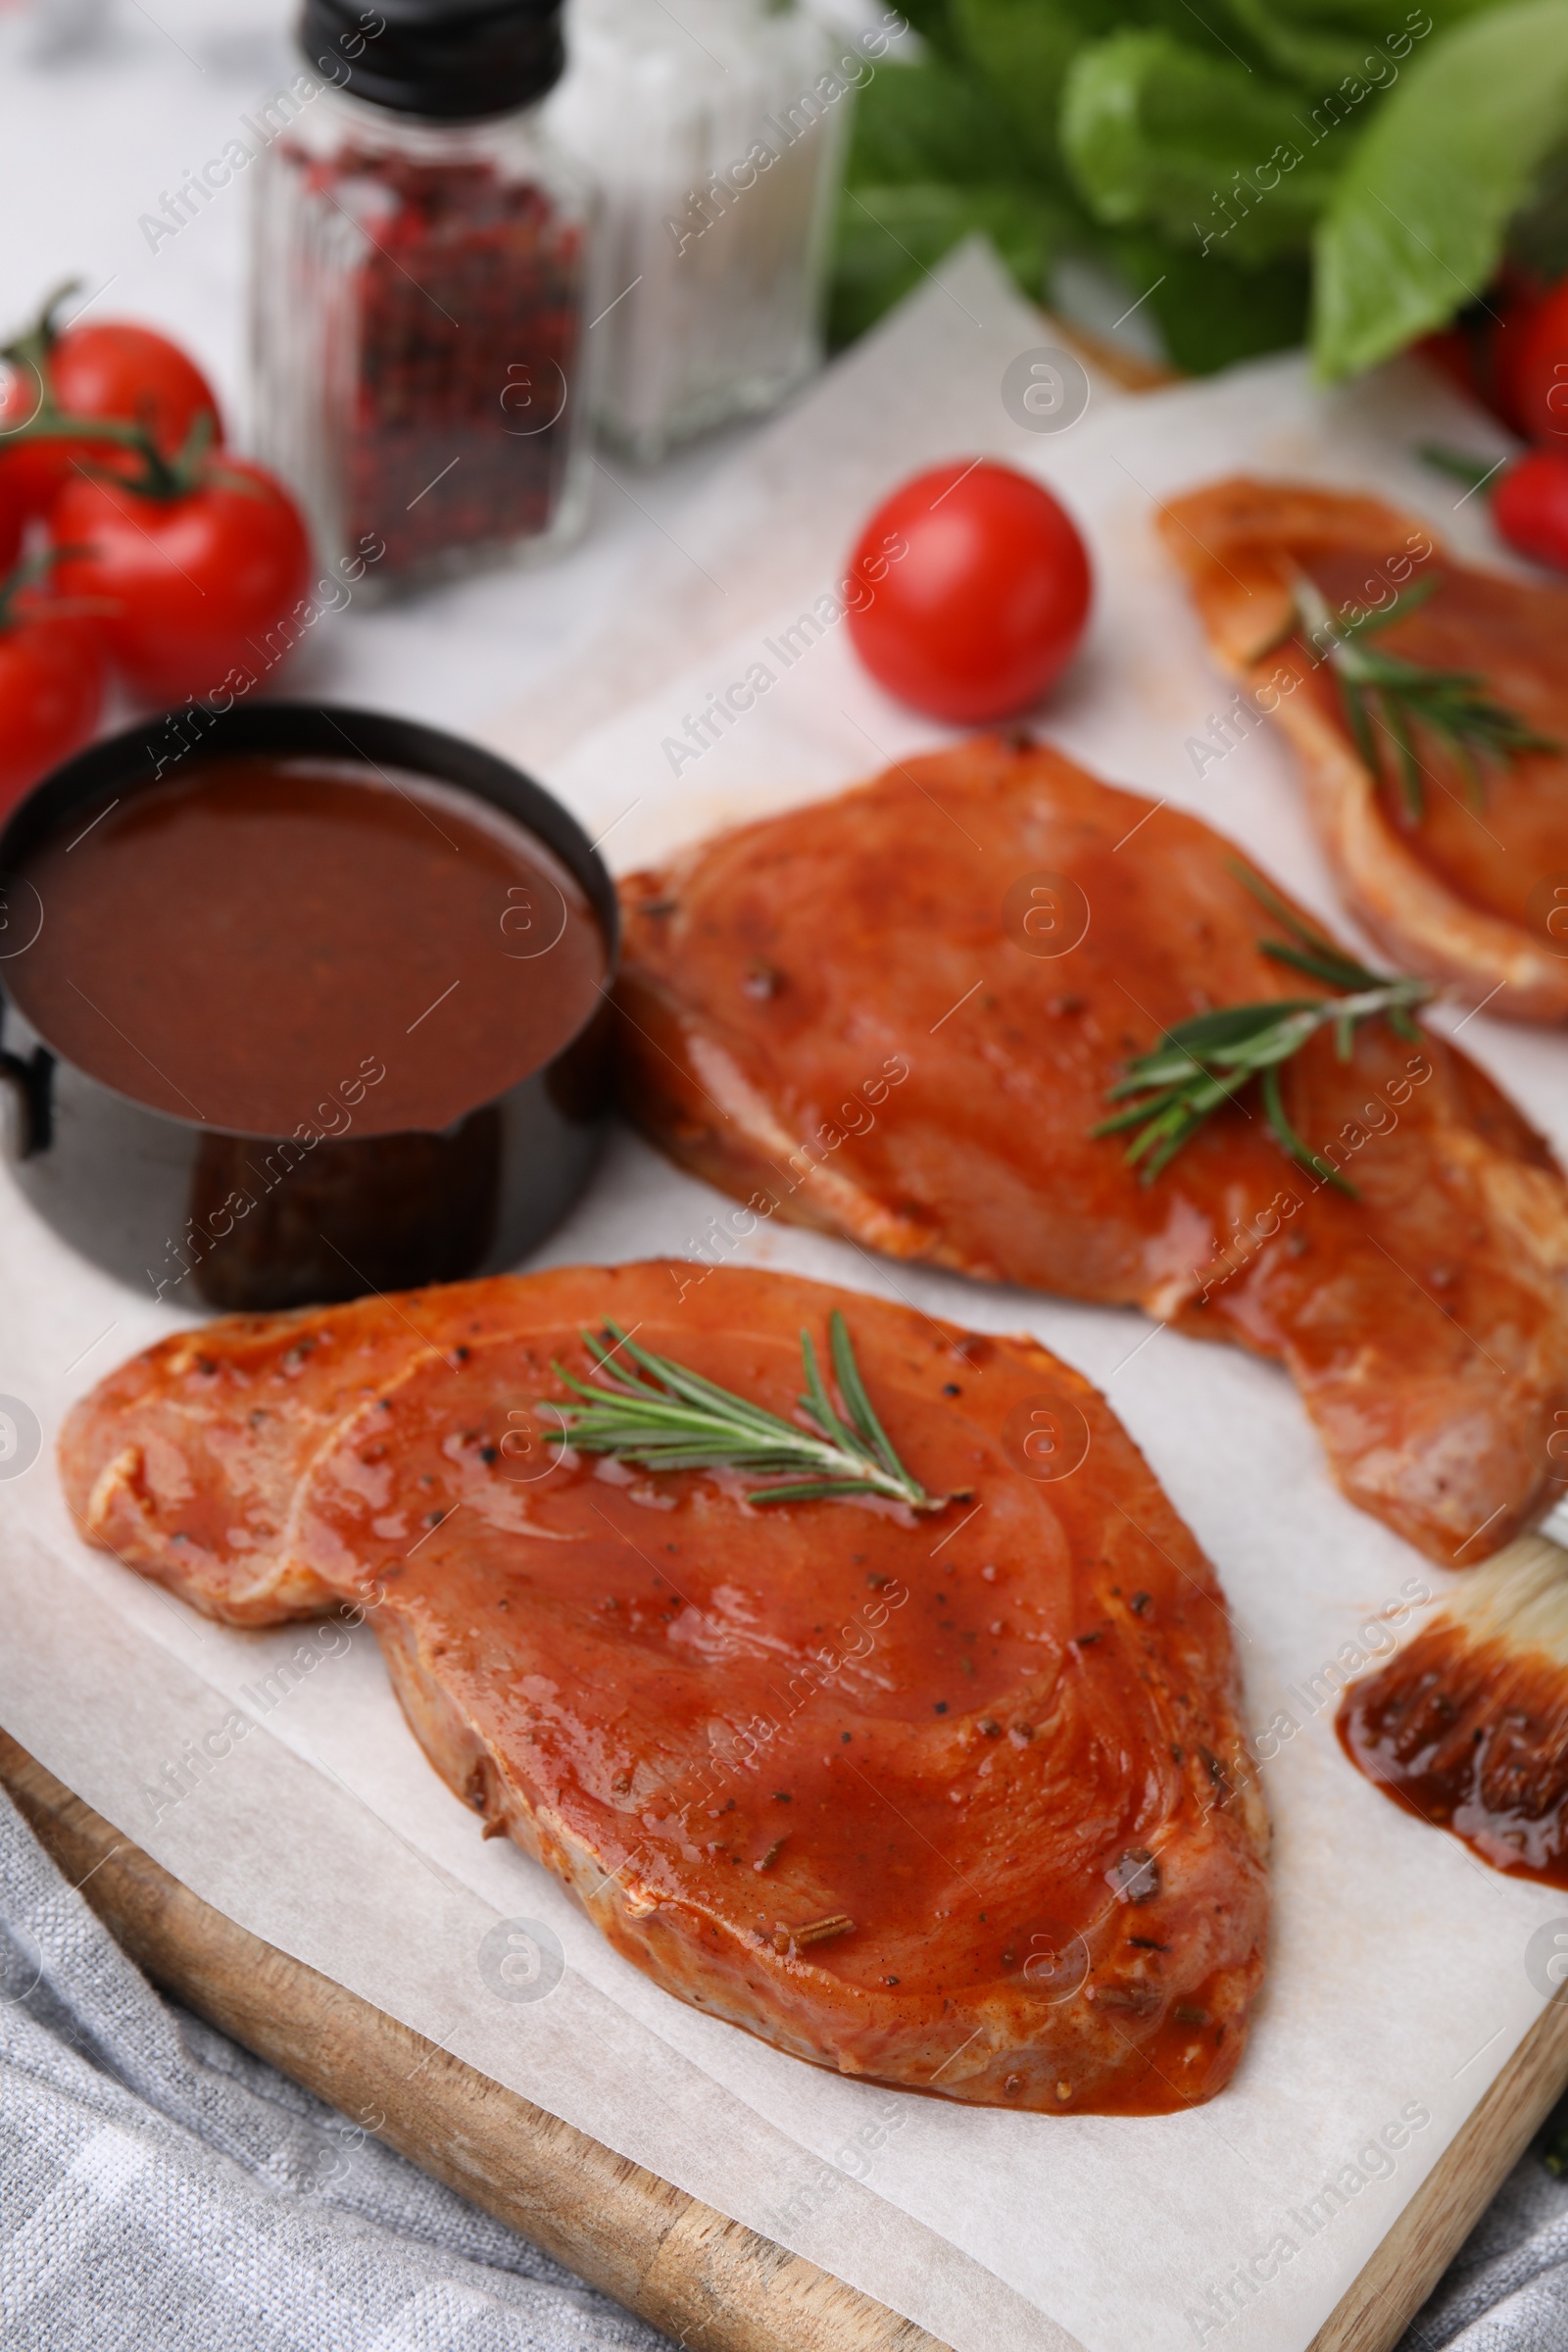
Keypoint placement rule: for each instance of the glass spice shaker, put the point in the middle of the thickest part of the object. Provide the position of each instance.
(421, 253)
(716, 130)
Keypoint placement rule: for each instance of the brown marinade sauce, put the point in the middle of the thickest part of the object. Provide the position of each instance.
(238, 943)
(1470, 1736)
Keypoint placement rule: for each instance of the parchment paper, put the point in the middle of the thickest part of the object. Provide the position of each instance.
(1398, 1985)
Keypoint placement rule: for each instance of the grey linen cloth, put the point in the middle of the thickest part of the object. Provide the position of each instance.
(161, 2188)
(1506, 2289)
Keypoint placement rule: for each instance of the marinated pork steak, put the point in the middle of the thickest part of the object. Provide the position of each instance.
(1474, 890)
(188, 1462)
(896, 1015)
(958, 1802)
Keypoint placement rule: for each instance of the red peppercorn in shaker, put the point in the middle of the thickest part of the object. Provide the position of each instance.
(420, 256)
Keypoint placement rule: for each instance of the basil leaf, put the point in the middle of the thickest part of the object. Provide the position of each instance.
(1416, 225)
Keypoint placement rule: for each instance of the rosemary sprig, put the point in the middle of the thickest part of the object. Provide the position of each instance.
(675, 1420)
(1205, 1061)
(1474, 472)
(1381, 689)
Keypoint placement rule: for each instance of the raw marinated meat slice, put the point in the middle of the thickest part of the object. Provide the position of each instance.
(1474, 892)
(896, 1015)
(959, 1802)
(186, 1462)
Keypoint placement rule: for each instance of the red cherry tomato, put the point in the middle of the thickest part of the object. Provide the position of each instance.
(1530, 506)
(197, 580)
(1536, 368)
(1496, 359)
(52, 676)
(30, 471)
(977, 587)
(13, 522)
(118, 369)
(108, 369)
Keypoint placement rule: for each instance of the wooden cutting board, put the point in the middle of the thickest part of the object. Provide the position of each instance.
(704, 2279)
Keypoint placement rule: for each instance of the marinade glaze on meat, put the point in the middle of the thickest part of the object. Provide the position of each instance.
(973, 1816)
(896, 1015)
(1474, 891)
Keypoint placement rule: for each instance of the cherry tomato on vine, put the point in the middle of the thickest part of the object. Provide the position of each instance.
(1494, 343)
(1530, 506)
(32, 471)
(109, 368)
(13, 522)
(52, 676)
(198, 562)
(1536, 368)
(1528, 498)
(976, 590)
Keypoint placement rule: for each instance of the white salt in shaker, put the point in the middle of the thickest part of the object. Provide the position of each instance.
(716, 129)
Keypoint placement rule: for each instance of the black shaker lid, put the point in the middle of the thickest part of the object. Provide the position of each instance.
(449, 59)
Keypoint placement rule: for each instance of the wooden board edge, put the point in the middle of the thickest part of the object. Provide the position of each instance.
(710, 2282)
(1375, 2311)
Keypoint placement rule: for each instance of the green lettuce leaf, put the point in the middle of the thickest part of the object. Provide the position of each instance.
(1538, 237)
(889, 240)
(933, 22)
(1211, 314)
(1197, 147)
(1022, 50)
(1418, 219)
(1318, 42)
(936, 123)
(1212, 144)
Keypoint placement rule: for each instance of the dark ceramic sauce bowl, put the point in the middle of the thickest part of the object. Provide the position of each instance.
(220, 1219)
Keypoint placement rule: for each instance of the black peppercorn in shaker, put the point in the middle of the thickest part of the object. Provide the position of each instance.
(420, 258)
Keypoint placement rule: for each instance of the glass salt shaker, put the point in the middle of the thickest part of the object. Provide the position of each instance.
(716, 130)
(421, 254)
